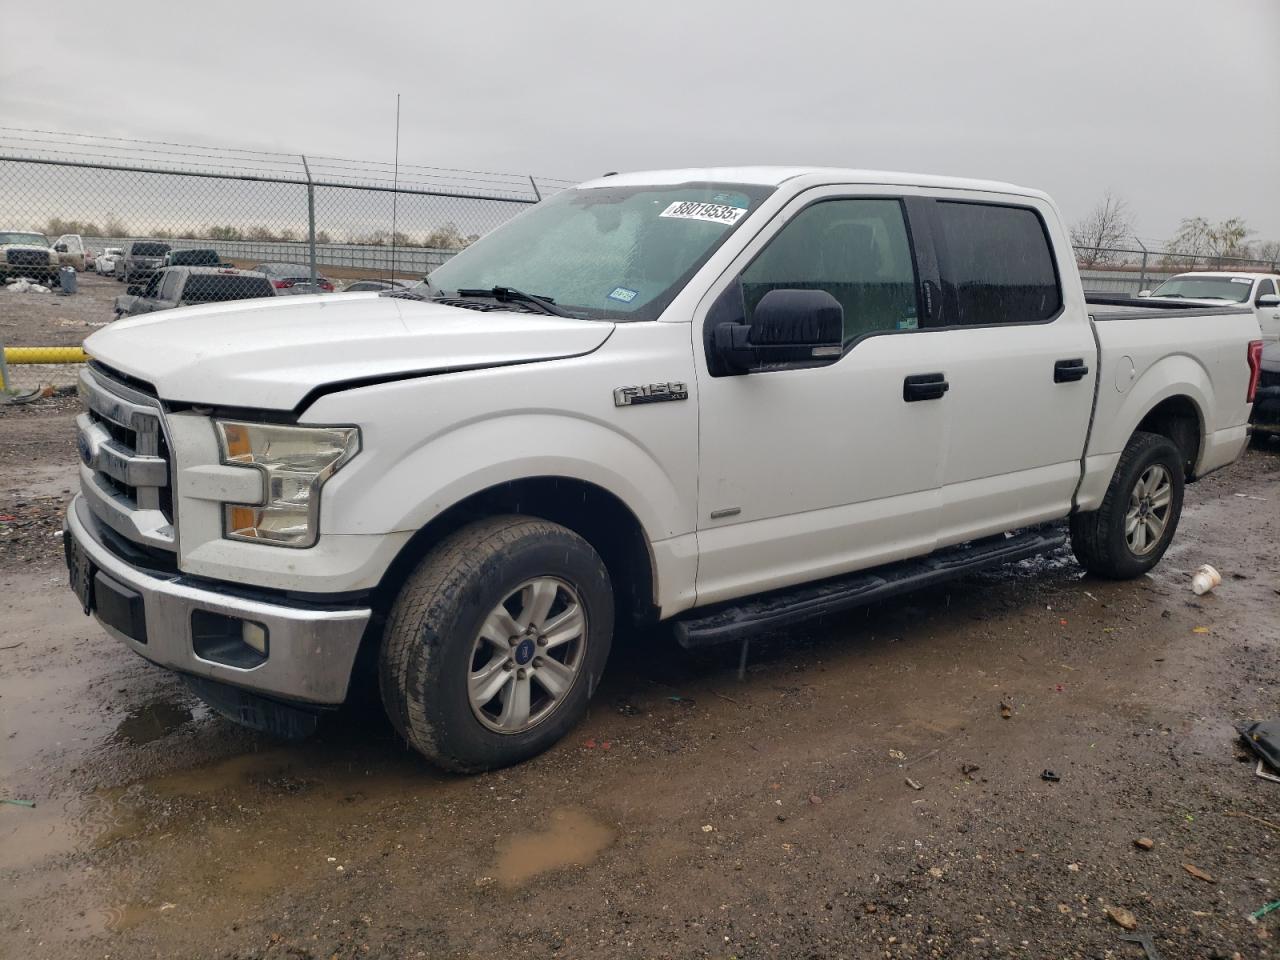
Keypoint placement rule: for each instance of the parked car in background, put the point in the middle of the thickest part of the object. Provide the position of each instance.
(193, 258)
(71, 251)
(25, 253)
(1266, 405)
(377, 286)
(779, 393)
(142, 258)
(294, 278)
(187, 286)
(1261, 290)
(104, 263)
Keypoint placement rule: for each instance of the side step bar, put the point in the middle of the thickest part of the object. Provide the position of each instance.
(740, 619)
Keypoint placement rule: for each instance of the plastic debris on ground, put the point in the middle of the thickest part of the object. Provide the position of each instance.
(1206, 578)
(26, 285)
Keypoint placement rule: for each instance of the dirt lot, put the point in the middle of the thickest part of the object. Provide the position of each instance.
(51, 320)
(691, 814)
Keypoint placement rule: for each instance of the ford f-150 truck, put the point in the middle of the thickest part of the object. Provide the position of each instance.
(725, 398)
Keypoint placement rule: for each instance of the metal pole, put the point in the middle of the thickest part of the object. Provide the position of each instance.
(311, 219)
(395, 182)
(536, 192)
(1142, 281)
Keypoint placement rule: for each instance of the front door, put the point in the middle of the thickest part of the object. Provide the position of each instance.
(812, 471)
(1268, 317)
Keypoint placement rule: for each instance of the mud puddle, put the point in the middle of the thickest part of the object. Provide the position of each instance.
(571, 838)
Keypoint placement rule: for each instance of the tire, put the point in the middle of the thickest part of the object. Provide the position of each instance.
(433, 653)
(1101, 539)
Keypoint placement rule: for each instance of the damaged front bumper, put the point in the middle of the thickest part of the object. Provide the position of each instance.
(303, 652)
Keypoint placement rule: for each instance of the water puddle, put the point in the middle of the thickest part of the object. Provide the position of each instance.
(92, 821)
(153, 721)
(572, 839)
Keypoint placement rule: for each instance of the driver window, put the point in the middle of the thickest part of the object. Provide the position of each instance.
(152, 286)
(856, 250)
(1267, 288)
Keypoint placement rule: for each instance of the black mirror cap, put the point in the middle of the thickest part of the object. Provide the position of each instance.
(798, 318)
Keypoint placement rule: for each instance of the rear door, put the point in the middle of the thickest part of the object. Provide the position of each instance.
(808, 471)
(1021, 361)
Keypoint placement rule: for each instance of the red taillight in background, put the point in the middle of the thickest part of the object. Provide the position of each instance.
(325, 285)
(1255, 369)
(282, 284)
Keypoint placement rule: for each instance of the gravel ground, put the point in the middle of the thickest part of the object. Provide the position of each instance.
(51, 320)
(691, 814)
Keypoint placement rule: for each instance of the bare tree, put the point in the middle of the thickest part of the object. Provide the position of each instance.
(1198, 239)
(1103, 233)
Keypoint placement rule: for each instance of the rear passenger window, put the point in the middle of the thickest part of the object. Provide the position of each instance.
(997, 266)
(855, 250)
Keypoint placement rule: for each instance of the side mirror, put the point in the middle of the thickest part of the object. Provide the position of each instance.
(61, 248)
(1144, 293)
(135, 289)
(796, 326)
(1268, 301)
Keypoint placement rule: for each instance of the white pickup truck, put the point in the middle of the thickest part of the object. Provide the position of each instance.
(727, 398)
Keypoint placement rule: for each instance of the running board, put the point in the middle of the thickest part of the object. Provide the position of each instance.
(740, 619)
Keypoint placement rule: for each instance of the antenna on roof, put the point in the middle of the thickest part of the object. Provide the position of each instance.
(395, 185)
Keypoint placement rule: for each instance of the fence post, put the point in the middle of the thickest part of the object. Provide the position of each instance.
(1142, 280)
(311, 218)
(536, 192)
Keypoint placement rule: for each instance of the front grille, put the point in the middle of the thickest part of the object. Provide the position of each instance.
(126, 469)
(26, 258)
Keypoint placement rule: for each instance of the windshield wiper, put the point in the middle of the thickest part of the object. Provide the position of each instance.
(512, 295)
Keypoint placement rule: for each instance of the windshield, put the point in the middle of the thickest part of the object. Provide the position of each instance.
(605, 253)
(34, 239)
(1234, 289)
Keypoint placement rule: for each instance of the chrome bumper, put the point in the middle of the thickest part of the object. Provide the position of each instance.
(310, 654)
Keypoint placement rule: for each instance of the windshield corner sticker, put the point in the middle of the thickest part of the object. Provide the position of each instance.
(650, 393)
(711, 212)
(623, 294)
(1241, 280)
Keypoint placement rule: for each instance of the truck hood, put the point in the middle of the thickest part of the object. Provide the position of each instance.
(271, 353)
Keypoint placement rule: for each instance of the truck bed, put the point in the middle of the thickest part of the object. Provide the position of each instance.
(1102, 307)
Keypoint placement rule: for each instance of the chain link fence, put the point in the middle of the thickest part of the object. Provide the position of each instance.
(325, 220)
(1126, 272)
(328, 220)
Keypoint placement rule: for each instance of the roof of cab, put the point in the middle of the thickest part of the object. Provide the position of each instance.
(776, 176)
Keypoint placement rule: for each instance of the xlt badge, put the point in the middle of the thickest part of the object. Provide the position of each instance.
(650, 393)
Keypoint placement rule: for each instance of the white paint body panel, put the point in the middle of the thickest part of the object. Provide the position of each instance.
(828, 469)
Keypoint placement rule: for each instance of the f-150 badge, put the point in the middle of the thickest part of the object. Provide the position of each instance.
(650, 393)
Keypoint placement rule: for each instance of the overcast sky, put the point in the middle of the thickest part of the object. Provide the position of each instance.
(1172, 104)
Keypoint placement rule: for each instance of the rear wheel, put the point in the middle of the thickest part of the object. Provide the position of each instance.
(496, 643)
(1130, 531)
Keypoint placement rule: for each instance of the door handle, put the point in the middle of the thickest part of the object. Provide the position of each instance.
(1065, 371)
(924, 386)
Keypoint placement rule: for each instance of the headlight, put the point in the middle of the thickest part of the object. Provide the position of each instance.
(295, 463)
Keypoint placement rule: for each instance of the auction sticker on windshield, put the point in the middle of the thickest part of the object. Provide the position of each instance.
(712, 212)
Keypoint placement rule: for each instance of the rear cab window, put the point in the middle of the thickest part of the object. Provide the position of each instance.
(217, 288)
(996, 262)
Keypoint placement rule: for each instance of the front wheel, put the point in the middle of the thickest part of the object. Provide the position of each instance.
(1130, 531)
(496, 643)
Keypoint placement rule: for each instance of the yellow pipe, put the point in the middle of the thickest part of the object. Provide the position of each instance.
(45, 355)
